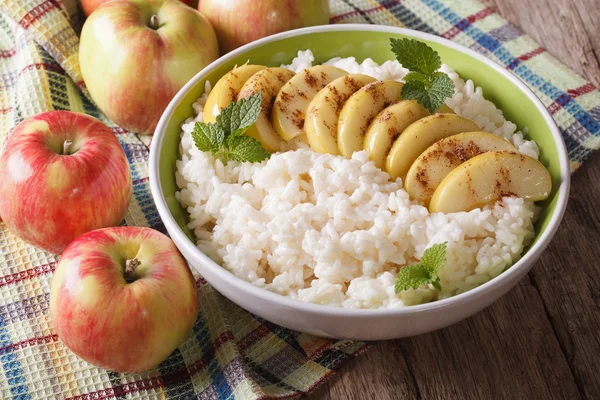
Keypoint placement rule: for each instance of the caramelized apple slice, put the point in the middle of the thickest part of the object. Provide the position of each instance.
(299, 142)
(227, 89)
(445, 110)
(419, 136)
(432, 166)
(267, 81)
(321, 123)
(292, 101)
(359, 111)
(487, 178)
(388, 125)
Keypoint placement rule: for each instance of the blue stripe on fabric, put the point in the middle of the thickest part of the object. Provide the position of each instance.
(142, 194)
(136, 153)
(523, 72)
(88, 107)
(217, 375)
(12, 367)
(571, 144)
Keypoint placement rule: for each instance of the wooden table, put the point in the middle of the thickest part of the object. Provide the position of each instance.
(542, 339)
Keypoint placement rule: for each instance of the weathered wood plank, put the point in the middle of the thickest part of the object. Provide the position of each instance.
(568, 29)
(568, 280)
(589, 12)
(568, 277)
(380, 374)
(508, 351)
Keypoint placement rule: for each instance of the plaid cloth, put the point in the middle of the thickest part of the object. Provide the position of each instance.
(231, 353)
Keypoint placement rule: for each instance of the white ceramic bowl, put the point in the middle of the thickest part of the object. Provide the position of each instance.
(363, 324)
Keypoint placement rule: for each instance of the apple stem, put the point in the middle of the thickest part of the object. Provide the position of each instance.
(130, 267)
(154, 22)
(67, 144)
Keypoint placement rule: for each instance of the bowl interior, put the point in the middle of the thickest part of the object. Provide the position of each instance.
(517, 107)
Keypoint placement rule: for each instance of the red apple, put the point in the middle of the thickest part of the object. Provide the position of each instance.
(62, 174)
(135, 55)
(123, 298)
(90, 5)
(238, 22)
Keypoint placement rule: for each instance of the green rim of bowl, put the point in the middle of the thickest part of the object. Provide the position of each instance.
(518, 103)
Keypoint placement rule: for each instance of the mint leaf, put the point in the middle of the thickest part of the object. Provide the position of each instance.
(224, 138)
(416, 55)
(417, 90)
(416, 76)
(434, 257)
(432, 95)
(240, 115)
(423, 83)
(208, 137)
(423, 272)
(441, 87)
(412, 277)
(245, 148)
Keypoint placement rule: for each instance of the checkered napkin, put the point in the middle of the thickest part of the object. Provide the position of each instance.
(231, 353)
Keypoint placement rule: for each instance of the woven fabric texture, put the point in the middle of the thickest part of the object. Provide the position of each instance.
(231, 353)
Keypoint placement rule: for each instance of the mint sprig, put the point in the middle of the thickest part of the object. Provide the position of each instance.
(224, 139)
(245, 148)
(423, 272)
(424, 83)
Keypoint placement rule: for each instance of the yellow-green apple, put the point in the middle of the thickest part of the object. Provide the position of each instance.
(90, 5)
(136, 54)
(123, 298)
(62, 174)
(238, 22)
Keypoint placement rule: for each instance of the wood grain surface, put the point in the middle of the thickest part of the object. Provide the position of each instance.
(542, 339)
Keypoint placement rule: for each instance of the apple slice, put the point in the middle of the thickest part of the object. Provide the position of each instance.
(227, 89)
(388, 125)
(432, 166)
(299, 142)
(268, 81)
(324, 110)
(359, 111)
(419, 136)
(487, 178)
(445, 109)
(289, 109)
